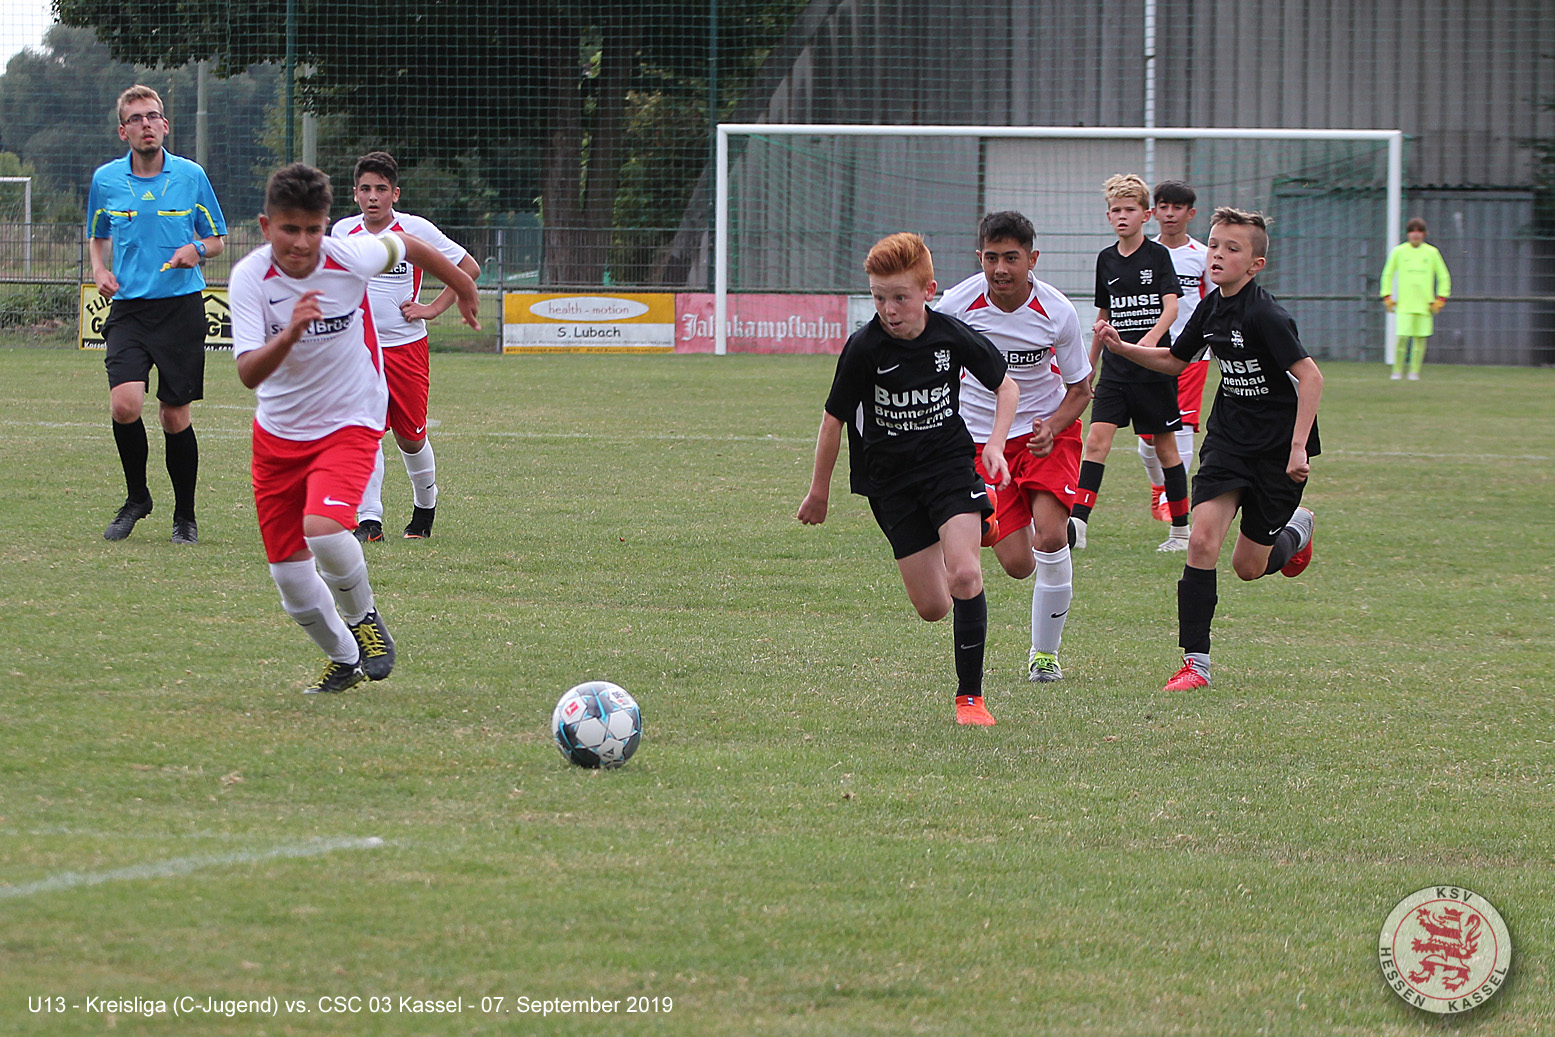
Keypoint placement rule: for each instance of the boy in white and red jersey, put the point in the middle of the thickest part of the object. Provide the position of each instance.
(304, 341)
(1174, 211)
(1038, 331)
(402, 332)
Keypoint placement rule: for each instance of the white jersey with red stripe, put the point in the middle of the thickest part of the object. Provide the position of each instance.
(333, 376)
(1041, 342)
(1191, 261)
(389, 291)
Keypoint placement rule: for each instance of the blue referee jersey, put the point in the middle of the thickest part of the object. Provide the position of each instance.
(150, 218)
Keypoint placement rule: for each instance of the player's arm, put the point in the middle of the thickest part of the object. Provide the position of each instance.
(1387, 280)
(100, 249)
(256, 365)
(1005, 399)
(828, 443)
(1156, 358)
(1077, 397)
(1309, 392)
(1443, 282)
(1163, 323)
(414, 310)
(420, 253)
(1102, 317)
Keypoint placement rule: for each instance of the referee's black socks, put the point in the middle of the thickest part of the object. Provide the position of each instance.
(183, 467)
(130, 438)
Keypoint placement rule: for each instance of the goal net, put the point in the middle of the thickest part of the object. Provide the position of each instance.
(797, 207)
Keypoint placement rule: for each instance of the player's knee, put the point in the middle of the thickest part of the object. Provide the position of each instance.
(966, 583)
(932, 611)
(1250, 568)
(1019, 567)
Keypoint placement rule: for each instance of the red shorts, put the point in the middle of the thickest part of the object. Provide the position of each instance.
(1057, 473)
(1190, 394)
(408, 370)
(314, 477)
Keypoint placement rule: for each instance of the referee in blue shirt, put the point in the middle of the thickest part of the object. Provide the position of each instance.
(162, 219)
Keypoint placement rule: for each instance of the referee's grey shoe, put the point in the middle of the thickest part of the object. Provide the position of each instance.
(185, 531)
(131, 513)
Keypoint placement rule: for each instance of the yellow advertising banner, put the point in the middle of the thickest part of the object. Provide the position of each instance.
(94, 313)
(588, 323)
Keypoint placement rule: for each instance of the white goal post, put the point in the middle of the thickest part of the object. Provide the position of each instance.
(988, 137)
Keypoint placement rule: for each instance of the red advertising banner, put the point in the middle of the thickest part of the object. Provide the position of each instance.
(764, 323)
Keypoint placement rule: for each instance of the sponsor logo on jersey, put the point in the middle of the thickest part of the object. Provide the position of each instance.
(1024, 357)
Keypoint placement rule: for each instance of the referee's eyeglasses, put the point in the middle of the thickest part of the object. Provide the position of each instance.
(138, 118)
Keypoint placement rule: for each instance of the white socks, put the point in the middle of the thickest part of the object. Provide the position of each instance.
(343, 568)
(372, 497)
(422, 469)
(306, 598)
(1153, 465)
(1050, 599)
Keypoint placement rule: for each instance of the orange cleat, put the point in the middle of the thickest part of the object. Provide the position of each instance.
(1158, 508)
(970, 710)
(990, 531)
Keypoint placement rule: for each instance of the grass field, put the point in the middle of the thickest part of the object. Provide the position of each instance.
(806, 843)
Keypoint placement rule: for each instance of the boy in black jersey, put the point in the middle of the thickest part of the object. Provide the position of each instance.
(897, 390)
(1262, 431)
(1136, 293)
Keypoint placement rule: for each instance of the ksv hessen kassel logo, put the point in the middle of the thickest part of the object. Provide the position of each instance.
(1445, 949)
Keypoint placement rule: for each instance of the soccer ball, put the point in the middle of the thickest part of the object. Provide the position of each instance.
(597, 724)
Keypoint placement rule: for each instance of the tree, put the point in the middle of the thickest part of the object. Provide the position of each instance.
(527, 97)
(57, 113)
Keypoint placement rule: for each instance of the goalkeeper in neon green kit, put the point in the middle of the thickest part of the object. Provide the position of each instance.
(1423, 286)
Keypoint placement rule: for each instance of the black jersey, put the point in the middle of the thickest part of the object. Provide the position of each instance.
(900, 399)
(1255, 342)
(1130, 288)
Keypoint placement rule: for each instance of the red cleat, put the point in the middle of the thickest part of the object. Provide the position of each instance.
(1303, 522)
(970, 710)
(1186, 679)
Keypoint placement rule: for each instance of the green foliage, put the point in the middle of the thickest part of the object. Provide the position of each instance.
(33, 305)
(806, 843)
(515, 102)
(57, 113)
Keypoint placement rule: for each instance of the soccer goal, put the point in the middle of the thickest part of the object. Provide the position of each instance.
(798, 206)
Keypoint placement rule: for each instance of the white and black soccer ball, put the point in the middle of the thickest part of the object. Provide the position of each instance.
(597, 724)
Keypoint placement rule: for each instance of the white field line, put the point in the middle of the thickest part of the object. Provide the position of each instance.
(210, 430)
(183, 866)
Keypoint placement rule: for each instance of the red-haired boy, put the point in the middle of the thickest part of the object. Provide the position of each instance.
(897, 390)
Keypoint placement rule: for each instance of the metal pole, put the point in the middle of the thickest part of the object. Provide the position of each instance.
(1395, 225)
(202, 116)
(1150, 91)
(712, 100)
(721, 244)
(290, 72)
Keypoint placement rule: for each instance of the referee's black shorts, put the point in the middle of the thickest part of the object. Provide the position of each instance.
(168, 334)
(911, 516)
(1150, 406)
(1269, 495)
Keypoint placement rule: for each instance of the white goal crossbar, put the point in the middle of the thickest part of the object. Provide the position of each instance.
(1394, 139)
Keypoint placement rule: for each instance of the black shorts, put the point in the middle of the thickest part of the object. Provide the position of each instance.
(1269, 496)
(168, 334)
(910, 518)
(1150, 406)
